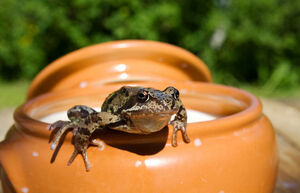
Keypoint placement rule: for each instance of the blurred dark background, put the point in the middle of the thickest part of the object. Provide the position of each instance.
(244, 43)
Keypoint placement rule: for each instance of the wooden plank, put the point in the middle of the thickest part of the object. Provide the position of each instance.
(286, 121)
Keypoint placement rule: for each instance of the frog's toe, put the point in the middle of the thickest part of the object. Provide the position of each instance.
(84, 156)
(81, 143)
(174, 138)
(86, 161)
(55, 127)
(59, 132)
(185, 137)
(97, 143)
(177, 126)
(74, 154)
(58, 124)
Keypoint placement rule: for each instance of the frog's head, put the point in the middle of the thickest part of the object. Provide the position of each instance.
(150, 110)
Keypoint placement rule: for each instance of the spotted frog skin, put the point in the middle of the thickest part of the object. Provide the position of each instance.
(130, 109)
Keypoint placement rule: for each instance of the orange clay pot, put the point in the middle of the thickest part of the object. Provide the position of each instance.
(234, 153)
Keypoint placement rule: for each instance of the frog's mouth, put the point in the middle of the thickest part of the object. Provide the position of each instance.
(146, 122)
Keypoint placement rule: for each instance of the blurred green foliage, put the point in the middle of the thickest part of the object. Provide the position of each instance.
(254, 42)
(14, 94)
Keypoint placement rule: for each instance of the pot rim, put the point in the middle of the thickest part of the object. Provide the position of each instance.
(252, 112)
(65, 62)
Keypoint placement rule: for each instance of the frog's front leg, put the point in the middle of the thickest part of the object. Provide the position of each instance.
(179, 123)
(76, 115)
(83, 125)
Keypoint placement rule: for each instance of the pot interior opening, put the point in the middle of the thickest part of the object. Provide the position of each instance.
(200, 106)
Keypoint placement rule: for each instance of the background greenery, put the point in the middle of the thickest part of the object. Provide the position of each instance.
(244, 43)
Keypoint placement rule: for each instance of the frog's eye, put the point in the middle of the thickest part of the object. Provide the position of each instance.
(175, 93)
(143, 96)
(172, 91)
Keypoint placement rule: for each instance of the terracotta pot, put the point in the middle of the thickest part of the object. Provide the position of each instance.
(234, 153)
(119, 61)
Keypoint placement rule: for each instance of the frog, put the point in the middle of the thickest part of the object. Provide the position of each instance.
(130, 109)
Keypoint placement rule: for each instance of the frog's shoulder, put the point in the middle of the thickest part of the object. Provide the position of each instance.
(106, 104)
(116, 100)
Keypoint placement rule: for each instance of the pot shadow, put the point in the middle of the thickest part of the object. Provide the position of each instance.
(136, 143)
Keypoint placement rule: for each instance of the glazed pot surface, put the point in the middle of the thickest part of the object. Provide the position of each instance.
(234, 153)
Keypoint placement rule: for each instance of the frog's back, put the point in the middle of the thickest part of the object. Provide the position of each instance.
(116, 101)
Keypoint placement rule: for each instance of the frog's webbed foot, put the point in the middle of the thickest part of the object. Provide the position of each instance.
(81, 124)
(177, 125)
(81, 140)
(81, 143)
(85, 158)
(81, 146)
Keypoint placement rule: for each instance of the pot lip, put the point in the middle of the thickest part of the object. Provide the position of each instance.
(109, 47)
(234, 121)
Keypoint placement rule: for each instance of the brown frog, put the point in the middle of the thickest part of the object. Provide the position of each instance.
(130, 109)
